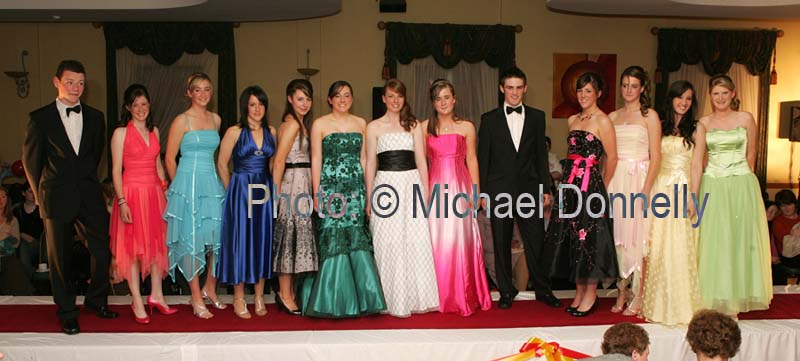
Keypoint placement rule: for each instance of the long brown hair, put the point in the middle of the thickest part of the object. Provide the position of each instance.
(436, 87)
(407, 118)
(306, 88)
(6, 211)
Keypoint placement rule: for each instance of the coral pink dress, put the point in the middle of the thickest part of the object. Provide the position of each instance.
(457, 249)
(143, 239)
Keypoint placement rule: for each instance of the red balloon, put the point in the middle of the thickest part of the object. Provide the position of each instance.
(17, 169)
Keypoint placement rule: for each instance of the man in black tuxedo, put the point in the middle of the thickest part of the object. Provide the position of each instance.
(63, 146)
(513, 159)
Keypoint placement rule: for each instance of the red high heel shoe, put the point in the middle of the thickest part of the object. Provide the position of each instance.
(142, 321)
(163, 309)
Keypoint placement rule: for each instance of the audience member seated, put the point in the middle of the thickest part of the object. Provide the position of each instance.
(30, 230)
(785, 241)
(623, 342)
(12, 276)
(553, 163)
(713, 336)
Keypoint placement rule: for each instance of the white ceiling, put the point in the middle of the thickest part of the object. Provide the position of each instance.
(164, 10)
(727, 9)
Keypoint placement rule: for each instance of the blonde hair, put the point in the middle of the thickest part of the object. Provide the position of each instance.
(727, 83)
(195, 79)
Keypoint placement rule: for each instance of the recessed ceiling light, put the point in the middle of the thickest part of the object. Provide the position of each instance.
(56, 17)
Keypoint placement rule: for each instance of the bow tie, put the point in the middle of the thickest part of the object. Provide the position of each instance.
(76, 109)
(510, 110)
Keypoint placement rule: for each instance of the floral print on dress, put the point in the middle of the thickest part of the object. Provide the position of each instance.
(583, 237)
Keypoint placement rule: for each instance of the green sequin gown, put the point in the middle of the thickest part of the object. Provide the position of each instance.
(347, 283)
(734, 252)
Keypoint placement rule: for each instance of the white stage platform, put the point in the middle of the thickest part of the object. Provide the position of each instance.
(761, 340)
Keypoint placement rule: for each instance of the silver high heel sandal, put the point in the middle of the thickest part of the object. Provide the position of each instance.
(218, 305)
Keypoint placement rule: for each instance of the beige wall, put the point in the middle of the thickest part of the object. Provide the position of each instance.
(349, 46)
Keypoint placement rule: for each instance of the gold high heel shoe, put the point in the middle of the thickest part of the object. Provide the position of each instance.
(218, 305)
(634, 307)
(242, 311)
(261, 308)
(626, 299)
(199, 309)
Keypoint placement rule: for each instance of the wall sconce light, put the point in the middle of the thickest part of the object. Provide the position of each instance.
(307, 71)
(21, 78)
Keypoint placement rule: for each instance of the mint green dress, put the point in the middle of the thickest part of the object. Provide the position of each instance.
(347, 283)
(734, 252)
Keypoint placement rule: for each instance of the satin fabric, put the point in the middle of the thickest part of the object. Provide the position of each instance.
(347, 284)
(246, 245)
(142, 240)
(457, 247)
(194, 205)
(734, 253)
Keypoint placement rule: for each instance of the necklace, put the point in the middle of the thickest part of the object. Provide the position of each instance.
(583, 117)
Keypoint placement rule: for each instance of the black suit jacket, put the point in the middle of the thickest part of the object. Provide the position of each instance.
(64, 183)
(504, 169)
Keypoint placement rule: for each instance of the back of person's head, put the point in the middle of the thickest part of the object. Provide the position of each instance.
(713, 334)
(625, 338)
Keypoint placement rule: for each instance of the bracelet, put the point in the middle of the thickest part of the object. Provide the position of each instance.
(164, 184)
(121, 201)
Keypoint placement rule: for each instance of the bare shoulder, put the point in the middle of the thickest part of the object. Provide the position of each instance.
(704, 120)
(613, 115)
(360, 121)
(289, 125)
(604, 121)
(233, 131)
(119, 132)
(571, 119)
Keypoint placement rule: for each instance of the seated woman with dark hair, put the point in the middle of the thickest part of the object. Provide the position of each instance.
(625, 341)
(713, 336)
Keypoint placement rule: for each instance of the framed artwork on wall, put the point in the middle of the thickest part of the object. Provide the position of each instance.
(566, 70)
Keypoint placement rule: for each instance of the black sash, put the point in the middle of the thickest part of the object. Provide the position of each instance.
(297, 165)
(396, 160)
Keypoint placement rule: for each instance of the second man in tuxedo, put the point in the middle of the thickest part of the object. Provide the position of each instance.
(512, 159)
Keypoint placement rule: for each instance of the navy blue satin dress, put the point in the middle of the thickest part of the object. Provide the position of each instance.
(246, 245)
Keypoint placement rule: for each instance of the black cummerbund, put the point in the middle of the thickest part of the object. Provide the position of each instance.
(396, 160)
(297, 165)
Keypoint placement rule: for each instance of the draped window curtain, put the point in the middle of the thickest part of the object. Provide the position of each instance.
(165, 83)
(458, 50)
(167, 43)
(475, 85)
(716, 51)
(746, 86)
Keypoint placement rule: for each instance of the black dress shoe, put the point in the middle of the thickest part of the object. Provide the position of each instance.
(103, 311)
(549, 299)
(505, 301)
(587, 312)
(70, 326)
(570, 309)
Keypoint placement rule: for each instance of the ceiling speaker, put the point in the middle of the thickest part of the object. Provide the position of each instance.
(392, 6)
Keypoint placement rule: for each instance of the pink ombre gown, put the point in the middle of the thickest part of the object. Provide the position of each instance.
(457, 250)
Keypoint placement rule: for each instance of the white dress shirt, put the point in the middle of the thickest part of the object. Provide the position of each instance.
(73, 124)
(515, 123)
